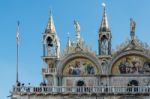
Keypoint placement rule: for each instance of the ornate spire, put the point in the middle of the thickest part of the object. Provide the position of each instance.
(104, 24)
(51, 43)
(50, 26)
(104, 35)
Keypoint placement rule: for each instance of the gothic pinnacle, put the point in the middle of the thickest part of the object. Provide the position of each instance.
(104, 24)
(50, 25)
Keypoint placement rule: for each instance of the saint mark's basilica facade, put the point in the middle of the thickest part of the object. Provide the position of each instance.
(80, 73)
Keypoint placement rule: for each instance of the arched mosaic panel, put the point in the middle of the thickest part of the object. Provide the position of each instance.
(131, 64)
(80, 66)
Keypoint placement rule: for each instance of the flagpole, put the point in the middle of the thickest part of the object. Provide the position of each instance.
(17, 66)
(17, 43)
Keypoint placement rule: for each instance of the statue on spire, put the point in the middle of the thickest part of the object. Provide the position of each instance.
(132, 25)
(132, 28)
(77, 29)
(77, 26)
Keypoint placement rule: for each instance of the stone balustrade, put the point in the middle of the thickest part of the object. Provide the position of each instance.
(83, 90)
(49, 70)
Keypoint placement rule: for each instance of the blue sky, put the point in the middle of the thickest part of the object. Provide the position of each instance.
(33, 17)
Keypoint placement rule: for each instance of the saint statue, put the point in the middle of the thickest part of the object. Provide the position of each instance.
(132, 25)
(77, 26)
(77, 29)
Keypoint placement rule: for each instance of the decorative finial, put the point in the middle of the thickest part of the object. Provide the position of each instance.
(68, 34)
(103, 4)
(50, 12)
(18, 23)
(104, 7)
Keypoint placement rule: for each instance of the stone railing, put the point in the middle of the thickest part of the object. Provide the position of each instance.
(49, 70)
(82, 90)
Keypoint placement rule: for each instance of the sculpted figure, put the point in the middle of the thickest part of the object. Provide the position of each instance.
(77, 26)
(132, 26)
